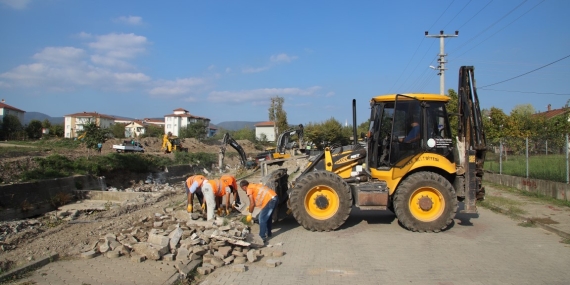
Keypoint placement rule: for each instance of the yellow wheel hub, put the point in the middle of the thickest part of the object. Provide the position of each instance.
(426, 204)
(321, 202)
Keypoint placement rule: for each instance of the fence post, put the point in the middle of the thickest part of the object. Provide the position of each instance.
(501, 157)
(567, 168)
(526, 157)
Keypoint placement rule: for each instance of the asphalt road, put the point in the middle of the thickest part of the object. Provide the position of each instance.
(372, 248)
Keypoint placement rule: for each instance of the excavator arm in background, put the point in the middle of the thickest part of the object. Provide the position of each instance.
(284, 138)
(471, 140)
(227, 139)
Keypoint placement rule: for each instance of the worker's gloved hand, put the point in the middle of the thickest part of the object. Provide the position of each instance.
(248, 218)
(219, 212)
(189, 209)
(203, 206)
(227, 212)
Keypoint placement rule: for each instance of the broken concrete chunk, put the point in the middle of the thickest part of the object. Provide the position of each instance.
(104, 247)
(89, 254)
(157, 224)
(203, 270)
(175, 236)
(278, 253)
(137, 258)
(158, 239)
(229, 259)
(112, 254)
(150, 250)
(251, 256)
(182, 254)
(217, 262)
(239, 268)
(240, 260)
(272, 263)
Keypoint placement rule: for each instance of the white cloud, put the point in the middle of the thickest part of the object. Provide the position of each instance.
(110, 61)
(228, 70)
(60, 55)
(330, 94)
(211, 67)
(16, 4)
(130, 20)
(178, 87)
(254, 70)
(119, 45)
(259, 96)
(282, 58)
(273, 60)
(84, 35)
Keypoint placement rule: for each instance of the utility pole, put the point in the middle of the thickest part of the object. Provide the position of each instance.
(441, 60)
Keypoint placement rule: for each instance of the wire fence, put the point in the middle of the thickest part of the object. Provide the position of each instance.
(537, 158)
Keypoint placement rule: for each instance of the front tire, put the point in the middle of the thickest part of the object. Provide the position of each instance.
(425, 202)
(321, 201)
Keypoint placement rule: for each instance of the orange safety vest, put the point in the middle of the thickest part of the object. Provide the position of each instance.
(228, 180)
(261, 193)
(219, 191)
(198, 178)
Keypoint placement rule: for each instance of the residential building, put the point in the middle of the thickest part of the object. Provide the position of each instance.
(212, 130)
(182, 119)
(6, 109)
(135, 129)
(266, 129)
(74, 123)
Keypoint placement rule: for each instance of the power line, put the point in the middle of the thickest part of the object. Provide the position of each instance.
(527, 72)
(526, 92)
(500, 29)
(487, 28)
(445, 26)
(475, 15)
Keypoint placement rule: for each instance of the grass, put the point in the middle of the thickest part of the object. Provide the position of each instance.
(502, 205)
(532, 195)
(550, 167)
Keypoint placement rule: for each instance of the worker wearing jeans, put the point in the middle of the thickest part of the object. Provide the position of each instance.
(263, 197)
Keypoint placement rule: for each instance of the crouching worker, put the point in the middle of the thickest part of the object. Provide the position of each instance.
(227, 188)
(266, 199)
(199, 185)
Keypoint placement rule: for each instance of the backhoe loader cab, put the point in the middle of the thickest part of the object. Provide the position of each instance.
(410, 164)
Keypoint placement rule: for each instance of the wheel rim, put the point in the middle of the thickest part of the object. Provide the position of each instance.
(321, 202)
(426, 204)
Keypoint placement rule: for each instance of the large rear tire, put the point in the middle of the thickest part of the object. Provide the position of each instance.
(321, 201)
(425, 202)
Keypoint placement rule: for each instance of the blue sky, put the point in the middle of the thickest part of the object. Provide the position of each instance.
(224, 59)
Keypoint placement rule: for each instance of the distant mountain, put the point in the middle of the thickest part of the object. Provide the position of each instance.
(236, 125)
(29, 116)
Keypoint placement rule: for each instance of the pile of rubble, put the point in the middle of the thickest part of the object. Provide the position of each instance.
(187, 241)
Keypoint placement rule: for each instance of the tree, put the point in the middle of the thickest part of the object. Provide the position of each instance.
(278, 115)
(11, 126)
(46, 124)
(57, 130)
(153, 131)
(34, 129)
(117, 130)
(197, 130)
(94, 135)
(324, 134)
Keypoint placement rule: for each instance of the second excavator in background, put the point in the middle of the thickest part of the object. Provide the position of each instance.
(284, 143)
(227, 139)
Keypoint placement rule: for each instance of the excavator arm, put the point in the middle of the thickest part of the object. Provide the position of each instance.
(284, 137)
(471, 140)
(227, 139)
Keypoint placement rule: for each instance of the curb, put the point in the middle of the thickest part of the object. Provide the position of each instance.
(28, 267)
(541, 225)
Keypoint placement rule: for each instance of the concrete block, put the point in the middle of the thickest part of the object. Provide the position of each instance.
(199, 250)
(251, 256)
(189, 268)
(207, 257)
(194, 256)
(110, 237)
(272, 263)
(203, 270)
(157, 224)
(158, 239)
(137, 258)
(168, 257)
(151, 251)
(237, 253)
(239, 268)
(175, 236)
(217, 262)
(209, 265)
(114, 244)
(219, 255)
(225, 251)
(89, 254)
(229, 259)
(113, 254)
(278, 253)
(104, 247)
(182, 254)
(240, 260)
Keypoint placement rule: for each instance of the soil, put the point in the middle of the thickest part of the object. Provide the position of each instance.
(26, 240)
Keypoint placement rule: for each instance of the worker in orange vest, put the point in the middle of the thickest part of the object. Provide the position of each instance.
(226, 187)
(263, 197)
(199, 185)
